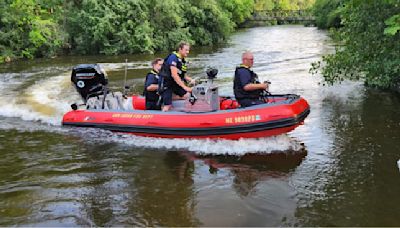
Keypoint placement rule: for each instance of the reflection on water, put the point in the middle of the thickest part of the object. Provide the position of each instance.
(250, 169)
(251, 186)
(338, 169)
(166, 192)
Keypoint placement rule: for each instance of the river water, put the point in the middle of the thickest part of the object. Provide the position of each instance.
(338, 169)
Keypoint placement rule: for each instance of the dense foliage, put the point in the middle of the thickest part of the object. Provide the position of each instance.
(283, 4)
(43, 28)
(327, 13)
(28, 29)
(369, 41)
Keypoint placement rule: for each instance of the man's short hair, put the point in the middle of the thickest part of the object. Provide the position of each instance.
(246, 53)
(154, 62)
(182, 44)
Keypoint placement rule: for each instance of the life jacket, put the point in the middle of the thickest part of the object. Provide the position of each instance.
(238, 90)
(151, 95)
(165, 71)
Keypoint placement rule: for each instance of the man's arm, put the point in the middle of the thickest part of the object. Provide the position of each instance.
(190, 80)
(178, 80)
(252, 86)
(152, 87)
(245, 79)
(151, 83)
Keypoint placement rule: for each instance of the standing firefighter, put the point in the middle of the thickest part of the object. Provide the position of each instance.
(174, 78)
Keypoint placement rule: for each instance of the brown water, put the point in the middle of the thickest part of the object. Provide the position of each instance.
(338, 169)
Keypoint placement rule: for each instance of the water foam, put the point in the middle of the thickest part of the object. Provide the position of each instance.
(26, 113)
(269, 145)
(239, 147)
(44, 101)
(10, 81)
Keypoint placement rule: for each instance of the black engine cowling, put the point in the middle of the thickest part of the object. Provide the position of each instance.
(89, 80)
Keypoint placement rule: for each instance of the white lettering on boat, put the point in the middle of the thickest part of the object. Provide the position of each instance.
(134, 116)
(243, 119)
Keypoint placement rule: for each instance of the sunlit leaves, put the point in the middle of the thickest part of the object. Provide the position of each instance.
(393, 25)
(283, 4)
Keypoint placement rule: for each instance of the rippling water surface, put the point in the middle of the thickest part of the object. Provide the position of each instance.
(338, 169)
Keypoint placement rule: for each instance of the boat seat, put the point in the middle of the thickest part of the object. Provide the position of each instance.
(113, 101)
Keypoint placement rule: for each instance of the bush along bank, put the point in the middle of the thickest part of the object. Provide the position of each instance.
(368, 37)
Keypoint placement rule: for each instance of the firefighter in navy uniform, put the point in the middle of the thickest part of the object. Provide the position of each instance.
(174, 78)
(151, 86)
(248, 90)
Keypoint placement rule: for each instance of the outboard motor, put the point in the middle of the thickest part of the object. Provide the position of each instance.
(89, 80)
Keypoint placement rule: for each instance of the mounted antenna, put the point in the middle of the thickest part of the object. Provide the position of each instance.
(125, 86)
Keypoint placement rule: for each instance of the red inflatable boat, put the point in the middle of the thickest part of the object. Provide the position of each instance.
(209, 116)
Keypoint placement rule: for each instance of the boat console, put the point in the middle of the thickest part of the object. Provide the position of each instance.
(204, 96)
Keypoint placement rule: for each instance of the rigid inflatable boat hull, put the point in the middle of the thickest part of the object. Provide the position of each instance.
(252, 122)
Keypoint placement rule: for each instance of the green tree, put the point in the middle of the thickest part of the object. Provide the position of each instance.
(239, 10)
(327, 13)
(29, 29)
(110, 27)
(393, 25)
(366, 52)
(207, 22)
(36, 28)
(260, 5)
(283, 5)
(167, 19)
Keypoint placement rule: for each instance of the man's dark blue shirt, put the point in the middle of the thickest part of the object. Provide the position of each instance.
(151, 79)
(244, 76)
